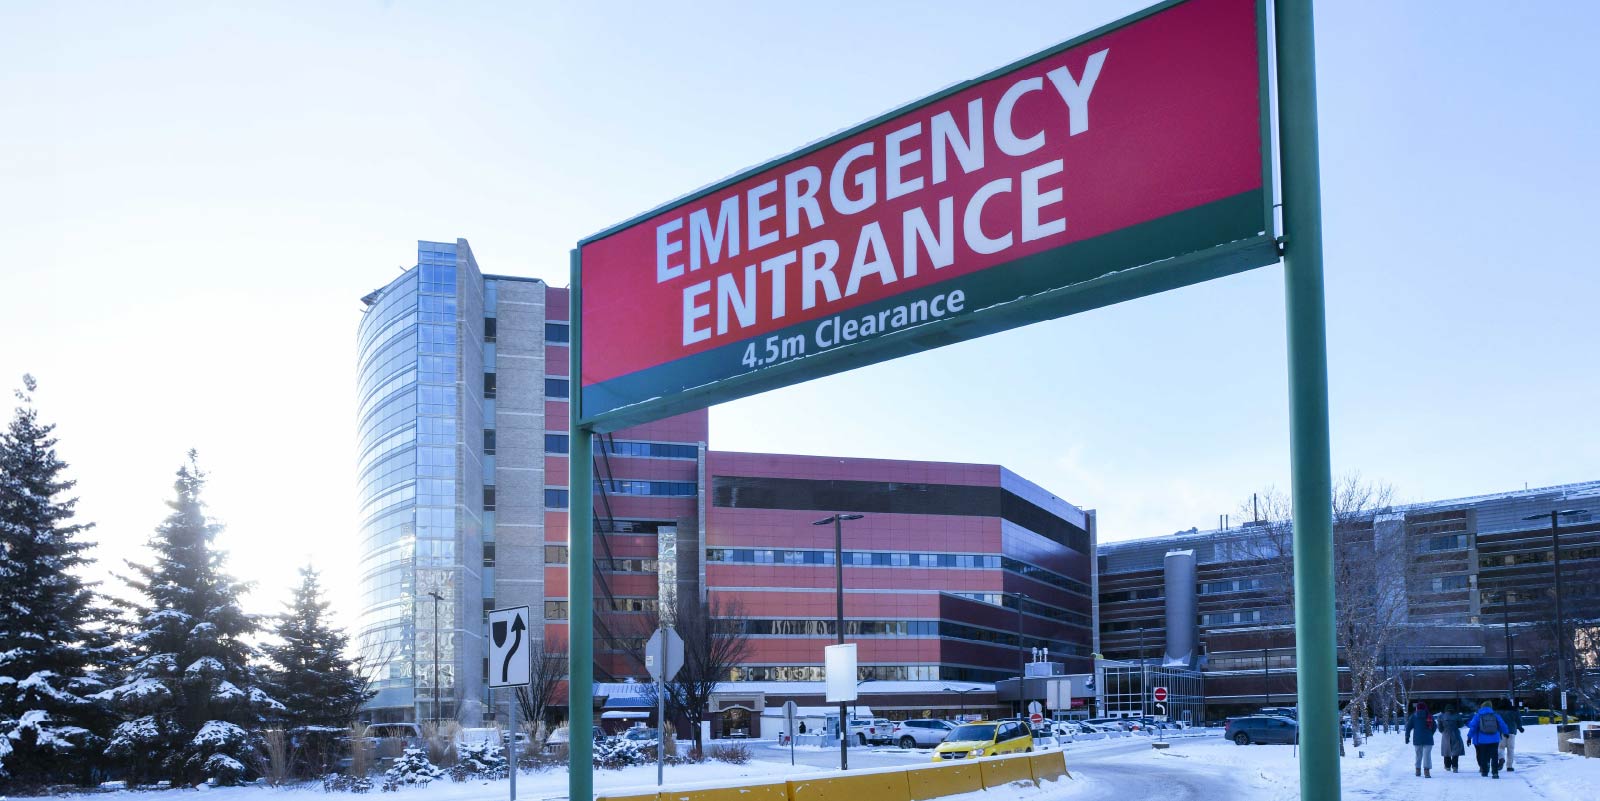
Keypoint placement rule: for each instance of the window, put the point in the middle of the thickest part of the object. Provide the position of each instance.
(1449, 583)
(555, 388)
(555, 498)
(488, 441)
(555, 610)
(555, 443)
(555, 554)
(557, 333)
(488, 499)
(488, 329)
(488, 385)
(488, 554)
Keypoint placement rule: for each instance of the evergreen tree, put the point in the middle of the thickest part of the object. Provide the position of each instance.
(50, 647)
(190, 694)
(311, 675)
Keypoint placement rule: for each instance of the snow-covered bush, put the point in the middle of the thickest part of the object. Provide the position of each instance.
(615, 754)
(733, 754)
(412, 767)
(342, 783)
(486, 760)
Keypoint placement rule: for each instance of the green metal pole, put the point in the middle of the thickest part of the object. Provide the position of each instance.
(580, 564)
(1311, 473)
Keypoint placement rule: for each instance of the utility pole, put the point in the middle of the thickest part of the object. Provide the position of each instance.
(838, 621)
(1561, 622)
(1144, 677)
(436, 599)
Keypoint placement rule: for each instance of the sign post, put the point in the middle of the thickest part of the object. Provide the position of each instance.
(839, 672)
(663, 658)
(1000, 202)
(1311, 473)
(510, 666)
(789, 710)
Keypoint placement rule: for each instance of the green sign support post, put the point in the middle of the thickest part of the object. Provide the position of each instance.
(1311, 475)
(580, 566)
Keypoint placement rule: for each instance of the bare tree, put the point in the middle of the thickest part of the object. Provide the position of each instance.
(1371, 572)
(715, 641)
(546, 677)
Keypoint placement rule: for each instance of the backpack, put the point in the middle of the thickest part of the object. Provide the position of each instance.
(1489, 724)
(1430, 724)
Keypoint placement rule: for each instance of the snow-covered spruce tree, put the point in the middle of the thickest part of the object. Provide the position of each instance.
(311, 676)
(52, 633)
(190, 696)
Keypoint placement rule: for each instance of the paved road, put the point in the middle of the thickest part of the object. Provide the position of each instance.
(1108, 772)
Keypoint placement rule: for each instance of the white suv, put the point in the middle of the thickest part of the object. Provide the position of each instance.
(915, 733)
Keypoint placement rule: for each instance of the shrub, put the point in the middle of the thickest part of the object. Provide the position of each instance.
(485, 760)
(412, 767)
(618, 754)
(340, 783)
(733, 754)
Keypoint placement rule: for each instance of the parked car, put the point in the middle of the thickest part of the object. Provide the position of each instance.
(641, 736)
(985, 738)
(1290, 712)
(871, 731)
(1259, 729)
(918, 733)
(1542, 716)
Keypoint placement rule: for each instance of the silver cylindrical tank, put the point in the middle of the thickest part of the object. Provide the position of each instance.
(1182, 622)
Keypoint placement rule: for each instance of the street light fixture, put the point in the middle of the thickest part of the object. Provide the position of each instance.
(838, 620)
(434, 594)
(1511, 672)
(1555, 553)
(963, 694)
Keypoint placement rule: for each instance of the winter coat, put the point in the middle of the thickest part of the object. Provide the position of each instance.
(1450, 743)
(1420, 729)
(1477, 736)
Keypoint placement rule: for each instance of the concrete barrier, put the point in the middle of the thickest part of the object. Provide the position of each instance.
(1003, 770)
(629, 795)
(953, 778)
(768, 791)
(886, 785)
(1049, 766)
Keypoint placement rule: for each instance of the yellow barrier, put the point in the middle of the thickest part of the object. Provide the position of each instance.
(1049, 766)
(888, 786)
(953, 778)
(1001, 771)
(628, 797)
(772, 791)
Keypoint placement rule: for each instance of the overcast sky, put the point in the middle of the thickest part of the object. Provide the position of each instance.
(194, 198)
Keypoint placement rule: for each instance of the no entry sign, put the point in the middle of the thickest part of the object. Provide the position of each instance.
(1123, 163)
(1160, 694)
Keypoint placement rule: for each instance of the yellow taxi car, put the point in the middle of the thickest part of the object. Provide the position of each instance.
(1532, 716)
(985, 738)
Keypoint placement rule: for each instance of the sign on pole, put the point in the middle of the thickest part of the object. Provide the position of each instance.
(1034, 708)
(654, 657)
(789, 710)
(1125, 162)
(509, 664)
(839, 667)
(1160, 694)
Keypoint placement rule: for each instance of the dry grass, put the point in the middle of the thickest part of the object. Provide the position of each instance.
(363, 752)
(440, 740)
(276, 744)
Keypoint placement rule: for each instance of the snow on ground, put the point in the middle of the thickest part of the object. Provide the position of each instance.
(1208, 763)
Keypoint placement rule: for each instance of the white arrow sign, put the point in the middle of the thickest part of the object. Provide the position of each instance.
(509, 664)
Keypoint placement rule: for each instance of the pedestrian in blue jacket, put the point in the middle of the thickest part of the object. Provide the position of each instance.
(1484, 732)
(1420, 727)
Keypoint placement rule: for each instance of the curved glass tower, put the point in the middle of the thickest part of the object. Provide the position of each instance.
(410, 491)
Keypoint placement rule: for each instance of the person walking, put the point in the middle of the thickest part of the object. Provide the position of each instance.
(1419, 732)
(1508, 742)
(1485, 732)
(1450, 745)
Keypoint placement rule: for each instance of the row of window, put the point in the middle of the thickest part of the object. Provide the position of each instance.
(558, 498)
(1230, 585)
(1538, 557)
(557, 555)
(1231, 618)
(1119, 596)
(969, 561)
(561, 443)
(816, 673)
(1450, 583)
(557, 610)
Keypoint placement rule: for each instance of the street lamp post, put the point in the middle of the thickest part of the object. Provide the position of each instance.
(1266, 676)
(436, 599)
(1412, 690)
(963, 695)
(1561, 626)
(1144, 677)
(838, 621)
(1511, 672)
